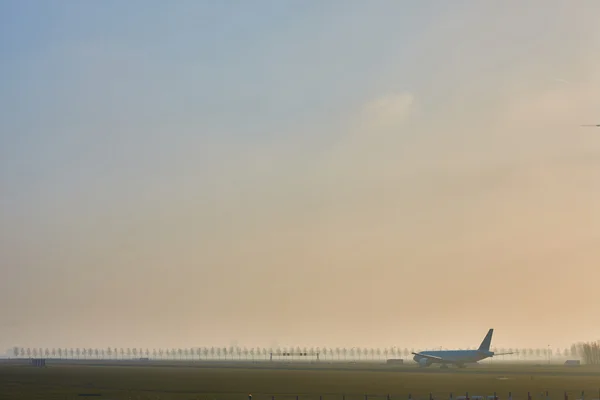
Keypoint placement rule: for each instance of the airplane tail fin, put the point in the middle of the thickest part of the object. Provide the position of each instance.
(487, 341)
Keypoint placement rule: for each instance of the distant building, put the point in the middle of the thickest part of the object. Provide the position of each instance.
(572, 363)
(394, 361)
(38, 362)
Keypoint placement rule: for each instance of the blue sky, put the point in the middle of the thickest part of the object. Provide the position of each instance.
(231, 71)
(203, 147)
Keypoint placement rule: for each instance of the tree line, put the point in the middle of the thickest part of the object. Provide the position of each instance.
(590, 352)
(583, 350)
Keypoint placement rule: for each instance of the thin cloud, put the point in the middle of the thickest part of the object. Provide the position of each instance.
(389, 111)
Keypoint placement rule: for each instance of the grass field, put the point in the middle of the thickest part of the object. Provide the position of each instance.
(236, 382)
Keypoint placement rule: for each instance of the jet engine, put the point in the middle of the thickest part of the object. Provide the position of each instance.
(423, 362)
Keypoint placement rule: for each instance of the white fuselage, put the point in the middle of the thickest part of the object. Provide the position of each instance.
(454, 356)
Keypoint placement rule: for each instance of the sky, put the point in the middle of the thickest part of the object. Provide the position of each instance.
(313, 173)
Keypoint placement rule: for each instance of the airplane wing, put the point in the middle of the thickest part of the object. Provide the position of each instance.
(502, 354)
(430, 357)
(594, 125)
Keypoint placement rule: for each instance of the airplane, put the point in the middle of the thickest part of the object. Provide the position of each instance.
(457, 357)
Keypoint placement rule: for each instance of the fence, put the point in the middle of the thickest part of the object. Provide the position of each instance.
(545, 395)
(154, 395)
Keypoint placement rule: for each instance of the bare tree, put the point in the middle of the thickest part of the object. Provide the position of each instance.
(589, 352)
(574, 351)
(523, 353)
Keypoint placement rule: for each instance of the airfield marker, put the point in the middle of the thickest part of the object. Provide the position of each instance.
(509, 395)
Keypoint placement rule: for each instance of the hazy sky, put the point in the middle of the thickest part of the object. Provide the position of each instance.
(327, 173)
